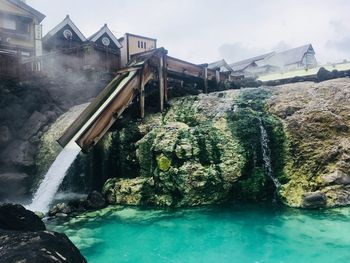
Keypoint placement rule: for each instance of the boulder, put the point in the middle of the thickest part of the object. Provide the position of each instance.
(314, 200)
(16, 217)
(23, 238)
(19, 153)
(38, 247)
(60, 208)
(95, 200)
(31, 127)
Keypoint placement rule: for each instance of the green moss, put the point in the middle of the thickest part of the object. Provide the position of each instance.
(163, 163)
(254, 187)
(145, 154)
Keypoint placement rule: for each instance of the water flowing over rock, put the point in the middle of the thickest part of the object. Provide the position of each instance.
(57, 171)
(234, 145)
(266, 154)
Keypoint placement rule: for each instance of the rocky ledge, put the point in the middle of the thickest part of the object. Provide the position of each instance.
(207, 149)
(24, 238)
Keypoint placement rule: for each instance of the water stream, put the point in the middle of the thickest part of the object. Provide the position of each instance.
(53, 178)
(267, 154)
(43, 197)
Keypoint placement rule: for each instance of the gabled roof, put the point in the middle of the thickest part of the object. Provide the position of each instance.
(221, 64)
(66, 21)
(102, 31)
(241, 65)
(28, 8)
(291, 56)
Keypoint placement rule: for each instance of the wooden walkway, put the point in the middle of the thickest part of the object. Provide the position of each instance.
(129, 83)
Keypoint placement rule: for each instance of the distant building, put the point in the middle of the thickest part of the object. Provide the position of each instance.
(292, 59)
(133, 44)
(295, 58)
(223, 66)
(248, 66)
(66, 48)
(220, 65)
(20, 36)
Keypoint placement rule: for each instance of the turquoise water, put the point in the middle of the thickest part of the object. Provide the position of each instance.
(248, 233)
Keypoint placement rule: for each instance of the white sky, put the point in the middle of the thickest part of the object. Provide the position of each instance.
(204, 31)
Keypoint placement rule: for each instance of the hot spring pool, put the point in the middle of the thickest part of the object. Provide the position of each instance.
(238, 233)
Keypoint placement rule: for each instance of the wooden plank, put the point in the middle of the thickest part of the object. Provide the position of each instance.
(180, 66)
(165, 78)
(90, 110)
(205, 78)
(108, 116)
(142, 96)
(161, 82)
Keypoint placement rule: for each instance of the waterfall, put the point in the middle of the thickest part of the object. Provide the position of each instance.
(267, 154)
(53, 178)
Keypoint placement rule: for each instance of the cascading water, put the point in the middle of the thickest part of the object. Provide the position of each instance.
(267, 154)
(54, 177)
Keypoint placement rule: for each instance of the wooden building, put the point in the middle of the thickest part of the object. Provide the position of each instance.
(67, 49)
(296, 58)
(20, 36)
(248, 67)
(133, 44)
(105, 50)
(302, 57)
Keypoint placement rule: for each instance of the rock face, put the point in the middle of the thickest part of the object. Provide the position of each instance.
(317, 158)
(23, 238)
(206, 149)
(192, 155)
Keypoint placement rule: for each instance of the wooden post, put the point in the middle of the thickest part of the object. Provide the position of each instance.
(217, 76)
(165, 78)
(142, 95)
(205, 78)
(161, 81)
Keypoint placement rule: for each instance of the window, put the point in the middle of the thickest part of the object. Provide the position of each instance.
(141, 44)
(9, 24)
(144, 45)
(138, 44)
(22, 27)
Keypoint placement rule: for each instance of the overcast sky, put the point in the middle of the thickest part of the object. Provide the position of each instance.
(204, 31)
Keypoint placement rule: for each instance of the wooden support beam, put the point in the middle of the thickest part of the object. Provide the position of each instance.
(205, 78)
(165, 72)
(161, 81)
(217, 77)
(142, 95)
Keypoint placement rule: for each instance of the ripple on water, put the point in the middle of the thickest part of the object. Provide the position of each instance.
(247, 233)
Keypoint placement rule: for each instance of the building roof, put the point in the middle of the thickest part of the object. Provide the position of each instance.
(28, 8)
(220, 64)
(66, 21)
(102, 31)
(241, 65)
(291, 56)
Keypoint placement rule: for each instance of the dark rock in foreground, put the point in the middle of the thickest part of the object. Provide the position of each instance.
(43, 246)
(16, 217)
(23, 238)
